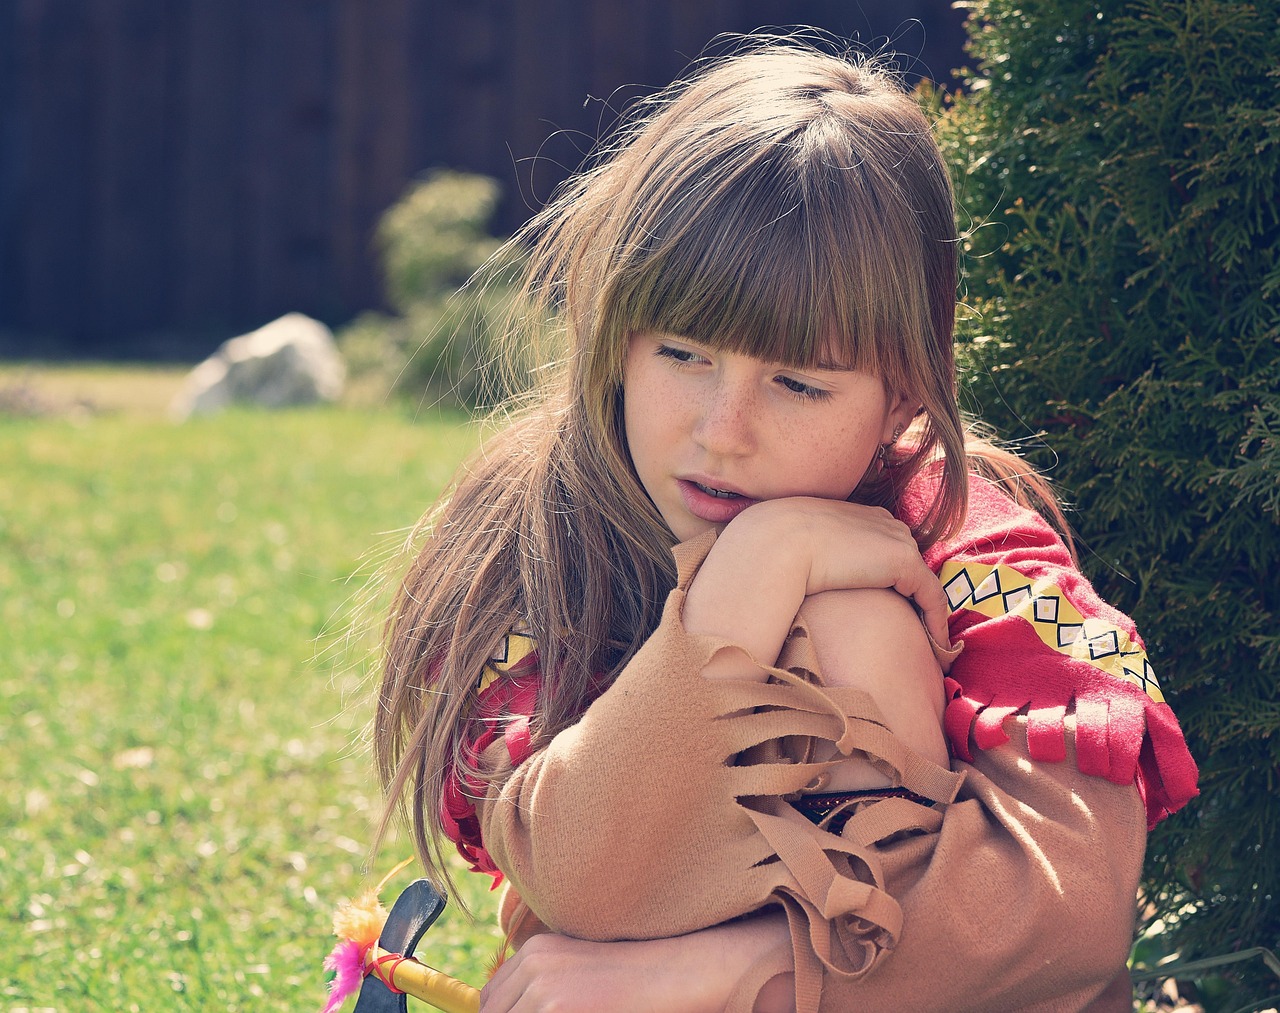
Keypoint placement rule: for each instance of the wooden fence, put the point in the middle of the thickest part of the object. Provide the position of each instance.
(174, 171)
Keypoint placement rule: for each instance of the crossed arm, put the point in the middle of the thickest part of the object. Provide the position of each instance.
(837, 560)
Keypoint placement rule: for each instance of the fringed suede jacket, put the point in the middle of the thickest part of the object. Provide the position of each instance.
(1006, 882)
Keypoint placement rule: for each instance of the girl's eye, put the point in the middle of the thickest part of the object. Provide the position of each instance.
(676, 354)
(803, 390)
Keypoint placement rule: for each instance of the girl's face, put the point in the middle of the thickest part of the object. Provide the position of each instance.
(712, 432)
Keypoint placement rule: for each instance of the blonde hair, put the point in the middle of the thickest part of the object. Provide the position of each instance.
(783, 203)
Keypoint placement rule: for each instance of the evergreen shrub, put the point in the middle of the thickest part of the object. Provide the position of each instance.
(1119, 164)
(439, 346)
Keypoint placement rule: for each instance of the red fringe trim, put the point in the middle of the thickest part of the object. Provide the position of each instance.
(1123, 737)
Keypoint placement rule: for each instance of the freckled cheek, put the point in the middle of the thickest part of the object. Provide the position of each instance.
(829, 463)
(648, 422)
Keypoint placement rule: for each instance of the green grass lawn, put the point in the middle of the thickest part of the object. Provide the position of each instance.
(184, 795)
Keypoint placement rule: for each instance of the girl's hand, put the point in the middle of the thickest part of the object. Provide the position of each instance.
(774, 554)
(682, 974)
(849, 545)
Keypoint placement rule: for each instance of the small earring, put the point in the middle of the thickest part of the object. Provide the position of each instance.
(883, 450)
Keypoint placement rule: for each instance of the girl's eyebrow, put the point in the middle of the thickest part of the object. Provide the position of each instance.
(835, 367)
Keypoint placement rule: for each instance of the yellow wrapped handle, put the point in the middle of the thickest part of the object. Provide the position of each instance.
(426, 983)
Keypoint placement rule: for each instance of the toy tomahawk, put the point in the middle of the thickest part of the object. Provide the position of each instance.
(375, 955)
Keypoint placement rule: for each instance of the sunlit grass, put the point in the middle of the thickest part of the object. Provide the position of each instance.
(183, 793)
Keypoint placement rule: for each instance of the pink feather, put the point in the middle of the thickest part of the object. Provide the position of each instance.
(357, 924)
(346, 960)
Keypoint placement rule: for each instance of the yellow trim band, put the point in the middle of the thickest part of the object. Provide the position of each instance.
(516, 647)
(1001, 590)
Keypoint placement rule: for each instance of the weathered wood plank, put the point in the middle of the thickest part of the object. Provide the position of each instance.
(13, 148)
(209, 219)
(132, 167)
(198, 167)
(55, 44)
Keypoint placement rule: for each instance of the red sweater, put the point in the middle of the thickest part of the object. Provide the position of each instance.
(1038, 640)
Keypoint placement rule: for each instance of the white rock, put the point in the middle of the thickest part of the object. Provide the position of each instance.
(290, 361)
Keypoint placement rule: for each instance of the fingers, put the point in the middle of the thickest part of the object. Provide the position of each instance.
(833, 544)
(549, 972)
(926, 591)
(914, 580)
(891, 558)
(492, 994)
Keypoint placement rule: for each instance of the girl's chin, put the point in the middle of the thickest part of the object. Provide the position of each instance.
(688, 528)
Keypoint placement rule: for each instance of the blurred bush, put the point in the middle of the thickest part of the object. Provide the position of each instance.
(1121, 161)
(442, 346)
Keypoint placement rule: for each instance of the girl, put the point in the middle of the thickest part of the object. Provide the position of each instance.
(716, 778)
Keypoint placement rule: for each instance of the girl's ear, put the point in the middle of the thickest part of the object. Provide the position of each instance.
(902, 410)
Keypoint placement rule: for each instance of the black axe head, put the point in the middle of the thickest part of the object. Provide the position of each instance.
(414, 911)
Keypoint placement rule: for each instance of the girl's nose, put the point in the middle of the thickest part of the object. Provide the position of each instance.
(726, 419)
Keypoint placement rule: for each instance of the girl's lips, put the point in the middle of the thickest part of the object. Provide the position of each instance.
(709, 507)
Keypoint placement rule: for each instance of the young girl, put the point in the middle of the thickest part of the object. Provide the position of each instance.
(717, 778)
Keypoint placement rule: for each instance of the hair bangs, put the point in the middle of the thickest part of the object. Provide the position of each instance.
(772, 264)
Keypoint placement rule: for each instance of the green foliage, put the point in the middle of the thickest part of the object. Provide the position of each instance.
(435, 237)
(181, 794)
(1121, 164)
(441, 348)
